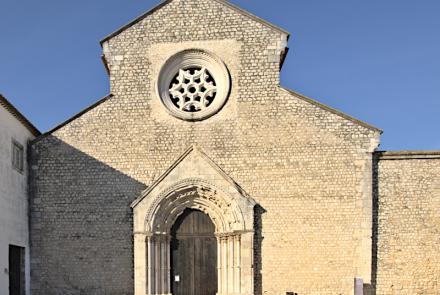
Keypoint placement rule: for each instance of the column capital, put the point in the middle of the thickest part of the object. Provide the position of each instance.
(141, 233)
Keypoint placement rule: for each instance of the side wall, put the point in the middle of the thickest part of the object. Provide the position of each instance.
(13, 197)
(408, 223)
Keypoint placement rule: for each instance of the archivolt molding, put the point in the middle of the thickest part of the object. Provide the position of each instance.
(223, 209)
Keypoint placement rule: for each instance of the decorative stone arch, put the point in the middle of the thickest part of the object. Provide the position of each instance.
(194, 193)
(215, 194)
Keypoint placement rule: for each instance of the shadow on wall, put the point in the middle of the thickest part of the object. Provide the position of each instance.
(258, 240)
(81, 222)
(370, 289)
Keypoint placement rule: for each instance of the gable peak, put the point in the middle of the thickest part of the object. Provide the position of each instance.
(224, 2)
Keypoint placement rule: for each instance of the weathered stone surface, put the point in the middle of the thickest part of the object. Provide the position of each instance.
(408, 256)
(308, 168)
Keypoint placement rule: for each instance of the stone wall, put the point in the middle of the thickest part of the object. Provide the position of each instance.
(408, 227)
(308, 167)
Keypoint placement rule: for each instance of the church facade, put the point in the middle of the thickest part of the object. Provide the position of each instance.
(200, 174)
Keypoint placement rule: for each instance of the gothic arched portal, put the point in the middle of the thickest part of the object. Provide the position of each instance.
(207, 189)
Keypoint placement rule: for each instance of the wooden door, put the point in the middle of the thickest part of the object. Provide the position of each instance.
(193, 255)
(16, 270)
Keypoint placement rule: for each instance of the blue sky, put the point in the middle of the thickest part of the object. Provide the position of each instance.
(376, 60)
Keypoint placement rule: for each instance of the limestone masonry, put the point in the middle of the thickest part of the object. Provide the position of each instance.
(301, 201)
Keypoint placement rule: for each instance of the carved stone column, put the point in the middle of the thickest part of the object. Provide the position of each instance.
(237, 264)
(224, 265)
(150, 265)
(157, 251)
(219, 265)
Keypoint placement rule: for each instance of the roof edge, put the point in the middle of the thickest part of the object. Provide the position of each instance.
(332, 110)
(134, 21)
(165, 2)
(19, 116)
(73, 118)
(254, 17)
(407, 155)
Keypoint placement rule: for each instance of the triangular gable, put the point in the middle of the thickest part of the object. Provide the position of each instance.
(193, 164)
(224, 2)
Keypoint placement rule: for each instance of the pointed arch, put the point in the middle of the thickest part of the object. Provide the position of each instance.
(198, 194)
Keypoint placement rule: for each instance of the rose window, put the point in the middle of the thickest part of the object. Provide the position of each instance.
(193, 85)
(193, 89)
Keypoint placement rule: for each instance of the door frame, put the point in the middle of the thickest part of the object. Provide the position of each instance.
(13, 249)
(232, 215)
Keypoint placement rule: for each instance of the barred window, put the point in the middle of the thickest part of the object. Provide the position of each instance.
(17, 156)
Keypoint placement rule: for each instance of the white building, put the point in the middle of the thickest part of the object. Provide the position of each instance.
(15, 133)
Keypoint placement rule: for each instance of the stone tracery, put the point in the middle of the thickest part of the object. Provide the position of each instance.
(193, 84)
(193, 89)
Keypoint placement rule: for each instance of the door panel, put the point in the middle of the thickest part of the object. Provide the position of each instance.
(193, 255)
(206, 272)
(182, 267)
(16, 270)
